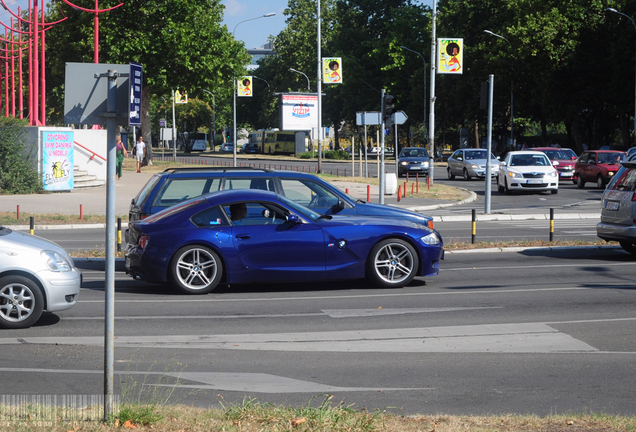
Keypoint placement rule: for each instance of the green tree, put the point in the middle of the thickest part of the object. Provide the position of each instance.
(181, 44)
(17, 173)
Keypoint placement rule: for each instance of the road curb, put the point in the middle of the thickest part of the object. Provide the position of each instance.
(530, 248)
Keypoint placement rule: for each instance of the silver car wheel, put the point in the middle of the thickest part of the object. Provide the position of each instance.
(196, 270)
(394, 263)
(17, 302)
(21, 302)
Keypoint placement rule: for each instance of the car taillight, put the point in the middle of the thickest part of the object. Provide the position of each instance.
(634, 197)
(143, 241)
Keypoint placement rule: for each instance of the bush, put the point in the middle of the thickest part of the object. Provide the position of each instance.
(329, 154)
(17, 173)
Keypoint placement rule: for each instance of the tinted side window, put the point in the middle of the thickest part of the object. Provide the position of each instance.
(145, 191)
(584, 157)
(308, 193)
(210, 217)
(261, 183)
(176, 190)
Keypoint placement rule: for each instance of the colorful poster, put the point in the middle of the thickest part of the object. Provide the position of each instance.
(450, 56)
(180, 97)
(245, 86)
(57, 160)
(332, 70)
(299, 111)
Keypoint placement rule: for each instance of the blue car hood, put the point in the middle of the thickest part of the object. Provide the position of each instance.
(382, 210)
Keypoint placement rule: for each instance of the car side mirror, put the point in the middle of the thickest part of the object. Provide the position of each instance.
(292, 219)
(503, 163)
(339, 205)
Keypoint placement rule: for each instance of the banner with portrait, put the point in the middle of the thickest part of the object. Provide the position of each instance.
(245, 86)
(450, 56)
(332, 70)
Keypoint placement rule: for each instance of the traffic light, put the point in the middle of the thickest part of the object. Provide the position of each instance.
(388, 109)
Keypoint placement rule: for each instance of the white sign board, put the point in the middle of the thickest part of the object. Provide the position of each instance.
(299, 112)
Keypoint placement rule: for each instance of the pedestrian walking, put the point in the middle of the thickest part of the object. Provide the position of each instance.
(140, 148)
(121, 154)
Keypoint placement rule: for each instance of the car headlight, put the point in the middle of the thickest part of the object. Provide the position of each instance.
(425, 164)
(473, 166)
(431, 239)
(404, 163)
(553, 174)
(514, 174)
(55, 262)
(555, 163)
(611, 173)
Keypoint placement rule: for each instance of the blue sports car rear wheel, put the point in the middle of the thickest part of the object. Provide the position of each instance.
(392, 263)
(196, 269)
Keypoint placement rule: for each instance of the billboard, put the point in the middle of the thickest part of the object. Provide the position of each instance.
(299, 111)
(450, 56)
(57, 160)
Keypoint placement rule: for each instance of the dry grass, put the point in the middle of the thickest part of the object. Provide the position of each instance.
(253, 416)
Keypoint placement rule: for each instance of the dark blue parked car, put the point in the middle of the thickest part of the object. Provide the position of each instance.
(251, 236)
(175, 185)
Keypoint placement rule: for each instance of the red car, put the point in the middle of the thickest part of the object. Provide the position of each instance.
(598, 166)
(561, 161)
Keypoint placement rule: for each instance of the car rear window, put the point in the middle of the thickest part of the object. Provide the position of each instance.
(626, 181)
(180, 189)
(145, 191)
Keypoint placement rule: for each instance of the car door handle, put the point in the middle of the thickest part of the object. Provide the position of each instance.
(243, 236)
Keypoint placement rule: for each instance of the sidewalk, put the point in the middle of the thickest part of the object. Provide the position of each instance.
(93, 202)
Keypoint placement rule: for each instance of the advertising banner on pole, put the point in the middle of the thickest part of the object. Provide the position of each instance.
(135, 80)
(245, 86)
(57, 160)
(180, 97)
(332, 70)
(450, 56)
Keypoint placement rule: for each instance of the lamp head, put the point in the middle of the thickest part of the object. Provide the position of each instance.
(267, 15)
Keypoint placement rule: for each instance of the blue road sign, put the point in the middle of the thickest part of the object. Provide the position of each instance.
(136, 79)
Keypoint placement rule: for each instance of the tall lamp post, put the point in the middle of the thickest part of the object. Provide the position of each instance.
(213, 131)
(512, 121)
(299, 72)
(234, 85)
(424, 60)
(634, 24)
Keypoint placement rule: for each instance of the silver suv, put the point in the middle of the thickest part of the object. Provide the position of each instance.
(618, 211)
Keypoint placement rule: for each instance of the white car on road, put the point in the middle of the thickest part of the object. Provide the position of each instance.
(527, 171)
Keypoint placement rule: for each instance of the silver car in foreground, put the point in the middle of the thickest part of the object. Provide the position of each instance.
(470, 163)
(618, 209)
(36, 275)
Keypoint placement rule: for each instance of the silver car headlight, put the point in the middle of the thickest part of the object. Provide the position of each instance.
(404, 163)
(55, 262)
(473, 166)
(552, 174)
(431, 239)
(425, 164)
(514, 174)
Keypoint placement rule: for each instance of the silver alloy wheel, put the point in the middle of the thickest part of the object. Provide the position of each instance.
(17, 302)
(196, 268)
(394, 263)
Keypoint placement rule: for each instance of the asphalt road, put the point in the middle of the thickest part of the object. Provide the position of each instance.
(532, 332)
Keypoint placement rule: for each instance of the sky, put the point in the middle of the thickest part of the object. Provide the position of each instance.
(253, 33)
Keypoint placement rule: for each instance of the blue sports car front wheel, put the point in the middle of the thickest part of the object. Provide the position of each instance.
(196, 269)
(392, 263)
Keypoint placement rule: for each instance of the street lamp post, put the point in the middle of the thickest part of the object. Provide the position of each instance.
(512, 121)
(424, 60)
(634, 24)
(234, 85)
(297, 71)
(213, 131)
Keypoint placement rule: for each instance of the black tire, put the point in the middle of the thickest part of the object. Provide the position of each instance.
(579, 182)
(392, 263)
(21, 302)
(600, 182)
(466, 176)
(629, 247)
(451, 176)
(575, 181)
(554, 191)
(196, 269)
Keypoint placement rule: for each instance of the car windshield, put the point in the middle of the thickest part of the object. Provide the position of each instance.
(556, 154)
(303, 211)
(610, 158)
(414, 152)
(529, 160)
(477, 154)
